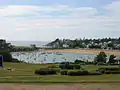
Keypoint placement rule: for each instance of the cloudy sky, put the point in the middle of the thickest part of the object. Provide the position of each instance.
(44, 20)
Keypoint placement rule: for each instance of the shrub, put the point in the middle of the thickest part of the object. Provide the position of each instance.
(95, 73)
(78, 61)
(64, 72)
(45, 71)
(6, 56)
(77, 73)
(77, 66)
(56, 69)
(112, 72)
(66, 66)
(109, 70)
(69, 66)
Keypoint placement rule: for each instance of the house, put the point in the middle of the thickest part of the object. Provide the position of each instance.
(117, 60)
(65, 46)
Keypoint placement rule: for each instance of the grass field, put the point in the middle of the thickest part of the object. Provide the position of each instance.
(25, 73)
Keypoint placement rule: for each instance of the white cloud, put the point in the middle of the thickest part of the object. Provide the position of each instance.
(113, 9)
(41, 23)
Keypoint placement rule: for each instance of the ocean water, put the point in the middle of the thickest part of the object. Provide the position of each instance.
(28, 43)
(42, 57)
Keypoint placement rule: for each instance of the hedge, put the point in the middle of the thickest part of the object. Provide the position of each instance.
(112, 72)
(64, 72)
(69, 66)
(77, 73)
(56, 69)
(109, 70)
(46, 71)
(95, 73)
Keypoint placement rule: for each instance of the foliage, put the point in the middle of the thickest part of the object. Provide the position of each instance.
(109, 69)
(6, 56)
(23, 48)
(24, 73)
(56, 69)
(100, 58)
(5, 49)
(103, 43)
(77, 73)
(111, 59)
(69, 66)
(45, 71)
(64, 72)
(95, 73)
(112, 72)
(78, 61)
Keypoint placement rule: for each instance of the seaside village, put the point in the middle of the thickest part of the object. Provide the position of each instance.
(34, 54)
(33, 64)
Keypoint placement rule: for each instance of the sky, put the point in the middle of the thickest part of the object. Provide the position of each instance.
(46, 20)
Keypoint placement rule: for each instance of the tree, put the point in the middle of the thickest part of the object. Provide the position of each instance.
(100, 58)
(5, 50)
(33, 46)
(111, 59)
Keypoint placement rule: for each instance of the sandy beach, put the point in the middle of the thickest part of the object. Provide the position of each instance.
(101, 86)
(87, 51)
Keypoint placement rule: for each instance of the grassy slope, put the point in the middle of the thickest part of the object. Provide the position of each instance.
(25, 73)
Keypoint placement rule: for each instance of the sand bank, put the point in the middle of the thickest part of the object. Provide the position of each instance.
(89, 51)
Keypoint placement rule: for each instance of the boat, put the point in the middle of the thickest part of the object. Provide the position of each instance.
(43, 53)
(58, 53)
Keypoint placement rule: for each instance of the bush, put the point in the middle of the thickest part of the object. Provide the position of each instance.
(66, 66)
(109, 70)
(95, 73)
(45, 71)
(6, 56)
(77, 66)
(78, 61)
(77, 73)
(64, 72)
(56, 69)
(112, 72)
(69, 66)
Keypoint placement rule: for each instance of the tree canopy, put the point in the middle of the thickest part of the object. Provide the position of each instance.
(100, 58)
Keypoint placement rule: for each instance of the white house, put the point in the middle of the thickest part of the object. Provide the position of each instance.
(65, 45)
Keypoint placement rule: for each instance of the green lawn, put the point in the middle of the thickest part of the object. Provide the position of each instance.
(25, 73)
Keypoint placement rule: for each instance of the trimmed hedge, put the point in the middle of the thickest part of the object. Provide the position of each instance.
(112, 72)
(64, 72)
(77, 73)
(69, 66)
(95, 73)
(109, 70)
(45, 71)
(77, 66)
(56, 69)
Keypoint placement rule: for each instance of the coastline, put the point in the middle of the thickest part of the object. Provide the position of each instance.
(86, 51)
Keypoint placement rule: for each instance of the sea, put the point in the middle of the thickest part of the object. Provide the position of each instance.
(28, 43)
(38, 57)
